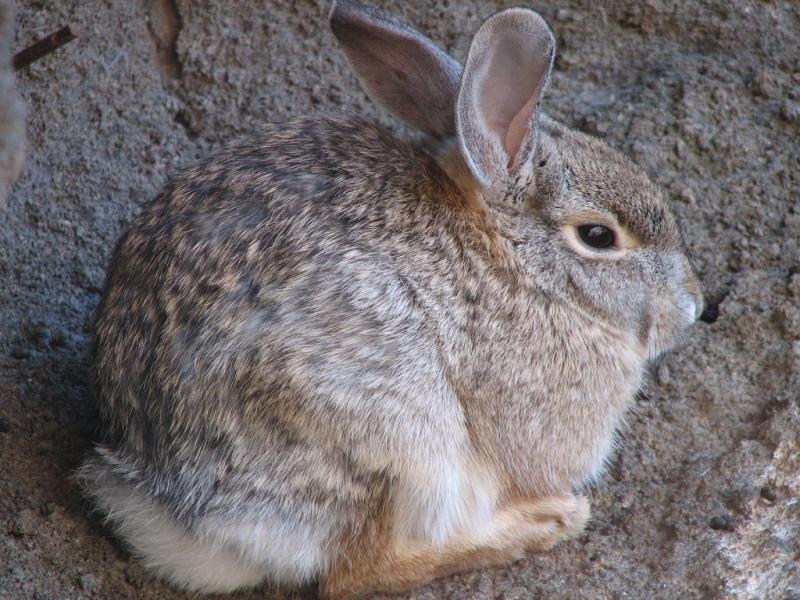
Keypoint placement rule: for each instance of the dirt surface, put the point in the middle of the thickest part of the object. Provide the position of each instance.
(12, 115)
(703, 500)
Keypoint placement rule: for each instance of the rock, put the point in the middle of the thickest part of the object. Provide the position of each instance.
(790, 111)
(90, 582)
(723, 523)
(134, 576)
(768, 494)
(12, 113)
(24, 523)
(794, 285)
(20, 352)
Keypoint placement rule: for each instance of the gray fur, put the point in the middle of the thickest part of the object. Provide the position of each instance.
(321, 324)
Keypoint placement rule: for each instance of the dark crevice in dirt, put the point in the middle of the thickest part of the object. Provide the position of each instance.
(165, 26)
(182, 118)
(713, 301)
(710, 314)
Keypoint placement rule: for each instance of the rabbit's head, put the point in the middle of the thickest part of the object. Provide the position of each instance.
(590, 228)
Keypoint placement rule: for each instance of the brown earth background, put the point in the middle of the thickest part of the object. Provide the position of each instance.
(703, 500)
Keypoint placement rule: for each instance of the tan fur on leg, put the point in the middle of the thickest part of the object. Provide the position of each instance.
(377, 563)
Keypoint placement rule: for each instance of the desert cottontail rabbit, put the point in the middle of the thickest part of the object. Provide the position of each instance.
(325, 355)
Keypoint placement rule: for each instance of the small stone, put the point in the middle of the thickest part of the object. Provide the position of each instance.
(687, 196)
(89, 582)
(90, 279)
(35, 333)
(134, 577)
(790, 111)
(24, 523)
(768, 494)
(773, 251)
(638, 149)
(738, 260)
(20, 352)
(722, 523)
(763, 86)
(719, 96)
(794, 285)
(775, 543)
(792, 222)
(565, 15)
(789, 315)
(680, 149)
(57, 339)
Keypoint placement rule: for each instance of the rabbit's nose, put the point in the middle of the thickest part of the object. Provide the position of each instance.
(699, 306)
(691, 286)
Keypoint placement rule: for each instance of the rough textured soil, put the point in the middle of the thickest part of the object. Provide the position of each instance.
(703, 500)
(12, 115)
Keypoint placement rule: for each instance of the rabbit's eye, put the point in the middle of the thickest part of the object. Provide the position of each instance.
(596, 236)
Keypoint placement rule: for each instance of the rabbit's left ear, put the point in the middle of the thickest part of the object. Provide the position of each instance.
(400, 69)
(507, 70)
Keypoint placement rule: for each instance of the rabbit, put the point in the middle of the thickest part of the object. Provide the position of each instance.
(327, 356)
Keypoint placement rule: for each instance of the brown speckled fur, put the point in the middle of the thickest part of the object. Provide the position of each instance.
(322, 334)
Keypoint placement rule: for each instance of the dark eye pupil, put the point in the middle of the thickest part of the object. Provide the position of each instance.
(596, 236)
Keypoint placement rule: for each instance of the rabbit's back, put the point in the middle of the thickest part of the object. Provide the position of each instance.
(258, 346)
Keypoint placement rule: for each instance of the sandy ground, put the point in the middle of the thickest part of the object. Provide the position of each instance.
(703, 500)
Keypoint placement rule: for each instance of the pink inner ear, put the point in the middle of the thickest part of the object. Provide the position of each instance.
(508, 92)
(519, 131)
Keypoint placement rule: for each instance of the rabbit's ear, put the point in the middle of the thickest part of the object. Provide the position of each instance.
(506, 72)
(400, 69)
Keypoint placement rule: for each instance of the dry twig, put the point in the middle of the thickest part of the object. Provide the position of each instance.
(43, 47)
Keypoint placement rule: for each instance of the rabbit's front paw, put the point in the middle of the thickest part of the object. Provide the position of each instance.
(540, 523)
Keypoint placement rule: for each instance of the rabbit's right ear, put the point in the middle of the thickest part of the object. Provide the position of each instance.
(507, 69)
(400, 69)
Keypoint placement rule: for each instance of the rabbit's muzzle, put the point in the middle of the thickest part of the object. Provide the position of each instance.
(675, 307)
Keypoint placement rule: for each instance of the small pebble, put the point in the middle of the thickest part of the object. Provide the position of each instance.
(134, 577)
(20, 352)
(58, 339)
(794, 285)
(722, 523)
(24, 523)
(777, 544)
(790, 111)
(687, 196)
(89, 582)
(763, 86)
